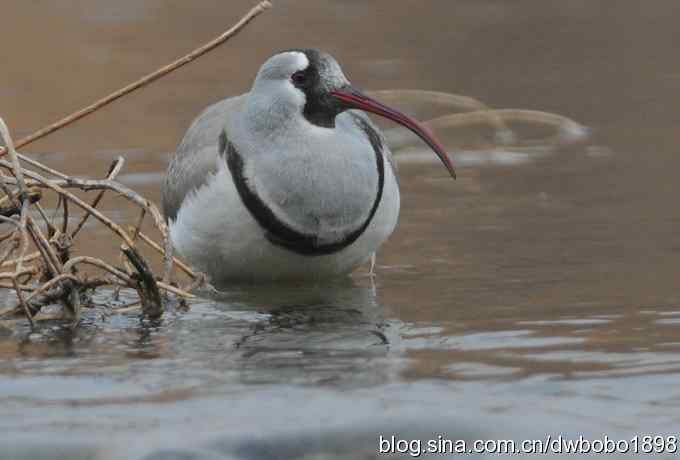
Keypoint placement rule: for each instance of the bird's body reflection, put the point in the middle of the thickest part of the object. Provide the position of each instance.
(307, 334)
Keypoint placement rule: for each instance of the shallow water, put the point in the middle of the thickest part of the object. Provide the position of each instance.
(536, 295)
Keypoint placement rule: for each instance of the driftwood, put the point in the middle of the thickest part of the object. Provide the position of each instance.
(35, 256)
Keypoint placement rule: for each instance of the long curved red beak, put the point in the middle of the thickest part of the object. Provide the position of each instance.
(356, 99)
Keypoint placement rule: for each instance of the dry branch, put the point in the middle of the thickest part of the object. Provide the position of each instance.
(211, 45)
(149, 295)
(48, 272)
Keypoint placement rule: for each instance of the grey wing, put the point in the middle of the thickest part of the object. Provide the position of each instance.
(196, 157)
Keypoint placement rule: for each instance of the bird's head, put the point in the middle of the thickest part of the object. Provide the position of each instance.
(310, 83)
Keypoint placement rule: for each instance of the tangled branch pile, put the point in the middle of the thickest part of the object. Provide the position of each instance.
(35, 252)
(35, 249)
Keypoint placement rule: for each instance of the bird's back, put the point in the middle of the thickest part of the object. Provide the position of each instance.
(195, 160)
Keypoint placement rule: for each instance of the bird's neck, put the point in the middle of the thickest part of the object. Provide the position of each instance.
(266, 117)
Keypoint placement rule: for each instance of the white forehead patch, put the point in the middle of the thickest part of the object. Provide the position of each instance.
(301, 62)
(281, 66)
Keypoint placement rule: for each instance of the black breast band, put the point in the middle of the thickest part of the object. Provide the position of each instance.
(278, 232)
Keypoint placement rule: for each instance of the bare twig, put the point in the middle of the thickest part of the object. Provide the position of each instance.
(23, 235)
(114, 169)
(16, 167)
(23, 200)
(51, 259)
(9, 204)
(50, 284)
(138, 227)
(64, 219)
(13, 245)
(184, 267)
(149, 295)
(51, 229)
(252, 14)
(22, 301)
(60, 185)
(54, 185)
(121, 275)
(29, 258)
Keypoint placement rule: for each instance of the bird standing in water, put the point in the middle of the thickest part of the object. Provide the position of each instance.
(291, 181)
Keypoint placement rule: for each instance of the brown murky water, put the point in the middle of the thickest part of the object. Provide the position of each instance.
(536, 295)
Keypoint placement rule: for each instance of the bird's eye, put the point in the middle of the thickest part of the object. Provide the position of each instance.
(298, 78)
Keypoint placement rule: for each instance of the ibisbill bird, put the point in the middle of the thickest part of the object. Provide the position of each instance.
(290, 181)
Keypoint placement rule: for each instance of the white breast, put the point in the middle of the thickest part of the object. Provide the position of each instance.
(216, 233)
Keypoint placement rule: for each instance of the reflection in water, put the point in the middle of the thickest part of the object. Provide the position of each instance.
(329, 333)
(324, 334)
